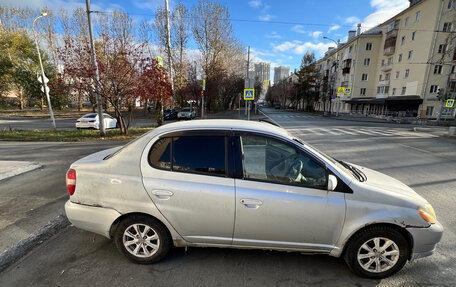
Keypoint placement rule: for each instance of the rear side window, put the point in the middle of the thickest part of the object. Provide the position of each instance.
(192, 154)
(199, 154)
(160, 154)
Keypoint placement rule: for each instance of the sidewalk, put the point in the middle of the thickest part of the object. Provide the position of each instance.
(11, 168)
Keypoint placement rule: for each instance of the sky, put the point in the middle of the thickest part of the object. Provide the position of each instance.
(277, 31)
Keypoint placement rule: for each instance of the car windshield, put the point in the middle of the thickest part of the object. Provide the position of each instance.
(90, 116)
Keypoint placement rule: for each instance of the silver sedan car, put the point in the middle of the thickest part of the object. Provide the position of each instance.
(244, 184)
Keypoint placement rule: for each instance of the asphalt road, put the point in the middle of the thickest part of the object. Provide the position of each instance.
(424, 161)
(32, 123)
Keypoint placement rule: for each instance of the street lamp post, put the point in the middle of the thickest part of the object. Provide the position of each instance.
(337, 66)
(43, 77)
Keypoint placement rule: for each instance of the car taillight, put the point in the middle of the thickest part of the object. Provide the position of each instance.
(71, 181)
(92, 121)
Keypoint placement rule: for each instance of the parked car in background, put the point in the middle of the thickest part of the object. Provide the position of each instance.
(246, 184)
(170, 114)
(91, 121)
(186, 114)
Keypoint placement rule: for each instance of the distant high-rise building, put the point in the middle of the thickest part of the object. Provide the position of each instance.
(281, 73)
(263, 74)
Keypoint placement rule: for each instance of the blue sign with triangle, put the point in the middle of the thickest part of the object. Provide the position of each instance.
(249, 94)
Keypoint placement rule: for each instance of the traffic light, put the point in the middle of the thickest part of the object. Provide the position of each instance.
(440, 95)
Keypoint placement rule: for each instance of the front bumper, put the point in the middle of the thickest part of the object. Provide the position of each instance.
(94, 219)
(425, 240)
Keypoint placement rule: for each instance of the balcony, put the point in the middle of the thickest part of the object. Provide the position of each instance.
(381, 96)
(389, 51)
(392, 34)
(344, 84)
(347, 56)
(387, 67)
(384, 83)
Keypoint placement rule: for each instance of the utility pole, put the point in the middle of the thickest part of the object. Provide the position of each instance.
(168, 48)
(97, 75)
(248, 79)
(43, 77)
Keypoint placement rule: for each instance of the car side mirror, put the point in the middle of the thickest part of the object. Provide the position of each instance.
(332, 182)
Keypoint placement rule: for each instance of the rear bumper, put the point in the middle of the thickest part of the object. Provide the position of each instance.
(90, 218)
(425, 240)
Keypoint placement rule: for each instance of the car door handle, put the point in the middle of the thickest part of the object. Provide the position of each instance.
(251, 203)
(162, 194)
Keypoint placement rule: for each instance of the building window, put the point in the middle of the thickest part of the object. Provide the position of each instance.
(350, 49)
(453, 68)
(442, 48)
(413, 35)
(403, 91)
(402, 40)
(406, 22)
(367, 61)
(407, 72)
(447, 27)
(410, 54)
(397, 75)
(393, 92)
(438, 69)
(417, 16)
(399, 59)
(451, 4)
(379, 78)
(364, 77)
(387, 77)
(368, 46)
(362, 92)
(434, 89)
(429, 111)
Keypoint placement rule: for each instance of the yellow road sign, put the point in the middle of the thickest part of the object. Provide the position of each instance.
(449, 103)
(160, 61)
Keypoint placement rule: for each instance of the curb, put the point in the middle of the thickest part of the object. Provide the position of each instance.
(16, 252)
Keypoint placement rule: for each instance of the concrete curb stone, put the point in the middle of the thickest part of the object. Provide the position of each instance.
(16, 252)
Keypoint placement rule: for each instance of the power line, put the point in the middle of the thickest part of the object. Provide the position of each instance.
(276, 22)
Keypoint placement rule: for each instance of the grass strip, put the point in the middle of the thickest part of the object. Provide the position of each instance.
(69, 136)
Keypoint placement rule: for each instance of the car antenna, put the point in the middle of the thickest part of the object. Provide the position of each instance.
(268, 121)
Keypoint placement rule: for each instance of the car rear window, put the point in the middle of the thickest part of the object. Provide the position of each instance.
(91, 116)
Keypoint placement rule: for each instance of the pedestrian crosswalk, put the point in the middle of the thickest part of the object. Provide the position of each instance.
(293, 116)
(356, 131)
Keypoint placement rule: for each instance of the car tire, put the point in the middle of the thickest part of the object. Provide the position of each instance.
(150, 245)
(368, 248)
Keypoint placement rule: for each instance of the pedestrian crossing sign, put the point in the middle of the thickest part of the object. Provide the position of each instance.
(347, 91)
(449, 103)
(249, 94)
(340, 91)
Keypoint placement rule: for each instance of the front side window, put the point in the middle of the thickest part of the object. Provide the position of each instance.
(274, 161)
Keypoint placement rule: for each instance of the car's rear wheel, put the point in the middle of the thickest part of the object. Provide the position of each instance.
(377, 252)
(142, 239)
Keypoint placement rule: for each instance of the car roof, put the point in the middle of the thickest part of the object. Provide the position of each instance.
(224, 124)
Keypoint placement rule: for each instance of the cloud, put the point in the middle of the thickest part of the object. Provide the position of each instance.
(299, 48)
(352, 20)
(333, 28)
(298, 29)
(384, 9)
(255, 3)
(316, 34)
(266, 17)
(273, 35)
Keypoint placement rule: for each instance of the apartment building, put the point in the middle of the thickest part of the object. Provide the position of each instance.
(397, 68)
(281, 73)
(263, 74)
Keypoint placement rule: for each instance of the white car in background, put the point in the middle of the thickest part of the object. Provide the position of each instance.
(90, 121)
(186, 114)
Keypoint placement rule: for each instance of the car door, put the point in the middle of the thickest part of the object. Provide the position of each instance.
(282, 199)
(187, 178)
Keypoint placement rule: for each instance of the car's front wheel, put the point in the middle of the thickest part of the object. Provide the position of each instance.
(142, 239)
(377, 252)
